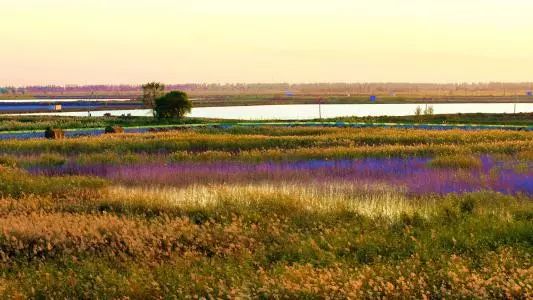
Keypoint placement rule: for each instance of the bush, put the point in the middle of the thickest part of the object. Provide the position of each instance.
(114, 129)
(8, 160)
(54, 133)
(174, 104)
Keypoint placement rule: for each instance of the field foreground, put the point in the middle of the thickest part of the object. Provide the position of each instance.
(270, 213)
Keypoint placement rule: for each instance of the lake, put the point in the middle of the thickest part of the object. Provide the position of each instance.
(312, 111)
(61, 100)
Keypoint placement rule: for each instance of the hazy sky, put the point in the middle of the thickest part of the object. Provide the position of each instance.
(174, 41)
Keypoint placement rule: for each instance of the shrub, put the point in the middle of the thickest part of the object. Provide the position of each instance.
(418, 111)
(174, 104)
(54, 133)
(467, 205)
(114, 129)
(8, 160)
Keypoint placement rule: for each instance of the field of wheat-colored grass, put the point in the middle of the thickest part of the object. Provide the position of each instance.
(269, 213)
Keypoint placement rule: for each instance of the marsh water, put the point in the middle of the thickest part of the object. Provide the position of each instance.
(315, 111)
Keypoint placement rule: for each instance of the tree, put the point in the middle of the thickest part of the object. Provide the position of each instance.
(173, 104)
(429, 111)
(152, 91)
(418, 111)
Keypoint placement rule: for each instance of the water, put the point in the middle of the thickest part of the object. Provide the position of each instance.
(61, 100)
(312, 111)
(303, 112)
(68, 133)
(13, 106)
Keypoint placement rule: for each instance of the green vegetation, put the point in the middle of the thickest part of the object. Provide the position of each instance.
(256, 242)
(478, 118)
(268, 213)
(20, 123)
(8, 123)
(173, 105)
(286, 142)
(17, 183)
(281, 99)
(456, 161)
(152, 91)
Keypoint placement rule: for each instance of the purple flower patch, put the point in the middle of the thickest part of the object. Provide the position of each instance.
(413, 174)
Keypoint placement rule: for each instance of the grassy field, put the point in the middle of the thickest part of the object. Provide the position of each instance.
(19, 123)
(280, 99)
(268, 213)
(230, 99)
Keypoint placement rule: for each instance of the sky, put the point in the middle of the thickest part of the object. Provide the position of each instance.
(247, 41)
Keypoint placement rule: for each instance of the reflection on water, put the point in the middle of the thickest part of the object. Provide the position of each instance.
(313, 111)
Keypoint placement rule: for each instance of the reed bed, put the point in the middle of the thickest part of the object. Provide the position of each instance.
(368, 200)
(268, 247)
(17, 183)
(415, 175)
(201, 140)
(271, 213)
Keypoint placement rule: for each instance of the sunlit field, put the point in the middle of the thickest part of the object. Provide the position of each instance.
(267, 212)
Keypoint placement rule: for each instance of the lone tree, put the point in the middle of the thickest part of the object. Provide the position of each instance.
(152, 91)
(174, 104)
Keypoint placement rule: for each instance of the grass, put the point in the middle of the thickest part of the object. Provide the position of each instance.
(476, 118)
(268, 213)
(305, 140)
(457, 161)
(367, 200)
(21, 123)
(17, 183)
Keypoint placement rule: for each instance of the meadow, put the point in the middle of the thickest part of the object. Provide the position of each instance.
(24, 123)
(269, 212)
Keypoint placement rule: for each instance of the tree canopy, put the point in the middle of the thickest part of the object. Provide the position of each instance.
(152, 91)
(175, 104)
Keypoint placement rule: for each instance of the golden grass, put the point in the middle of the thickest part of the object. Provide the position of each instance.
(369, 200)
(47, 235)
(200, 141)
(464, 161)
(501, 277)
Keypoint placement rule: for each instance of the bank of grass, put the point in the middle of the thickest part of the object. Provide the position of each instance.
(453, 148)
(17, 183)
(21, 123)
(28, 123)
(299, 99)
(281, 140)
(524, 119)
(83, 237)
(463, 161)
(265, 241)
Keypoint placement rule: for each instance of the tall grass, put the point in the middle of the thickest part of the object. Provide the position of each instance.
(268, 213)
(17, 183)
(415, 175)
(200, 141)
(364, 199)
(258, 241)
(457, 162)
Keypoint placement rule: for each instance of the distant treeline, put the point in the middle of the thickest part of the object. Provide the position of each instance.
(389, 89)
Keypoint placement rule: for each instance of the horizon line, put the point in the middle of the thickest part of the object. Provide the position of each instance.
(269, 83)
